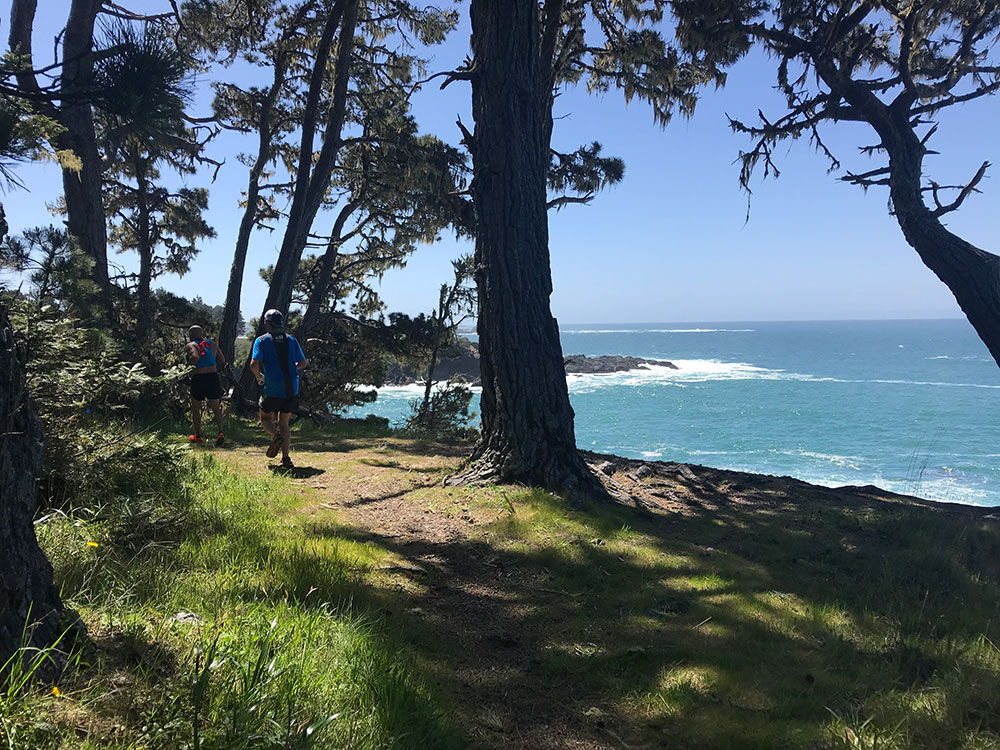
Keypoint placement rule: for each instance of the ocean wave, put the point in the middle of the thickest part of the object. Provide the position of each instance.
(411, 390)
(923, 382)
(660, 330)
(847, 462)
(691, 372)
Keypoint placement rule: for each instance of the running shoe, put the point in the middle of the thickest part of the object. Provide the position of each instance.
(220, 440)
(286, 463)
(195, 439)
(274, 447)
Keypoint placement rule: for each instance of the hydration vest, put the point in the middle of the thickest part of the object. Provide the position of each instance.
(280, 343)
(207, 351)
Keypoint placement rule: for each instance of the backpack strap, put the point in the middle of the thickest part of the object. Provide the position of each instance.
(281, 350)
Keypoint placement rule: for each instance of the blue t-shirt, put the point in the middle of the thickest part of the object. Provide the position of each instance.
(280, 354)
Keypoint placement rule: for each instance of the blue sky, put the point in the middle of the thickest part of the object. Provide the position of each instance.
(669, 244)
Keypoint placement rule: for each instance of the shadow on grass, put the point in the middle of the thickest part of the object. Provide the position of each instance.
(226, 558)
(758, 612)
(770, 614)
(295, 472)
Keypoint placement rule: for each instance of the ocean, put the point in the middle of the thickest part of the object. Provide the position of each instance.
(910, 406)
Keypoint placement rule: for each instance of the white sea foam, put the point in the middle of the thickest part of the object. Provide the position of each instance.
(660, 330)
(847, 462)
(651, 454)
(411, 390)
(923, 382)
(705, 370)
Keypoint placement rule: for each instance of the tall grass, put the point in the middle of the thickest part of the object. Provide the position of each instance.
(218, 627)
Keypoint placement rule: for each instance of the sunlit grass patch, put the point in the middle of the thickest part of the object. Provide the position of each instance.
(227, 625)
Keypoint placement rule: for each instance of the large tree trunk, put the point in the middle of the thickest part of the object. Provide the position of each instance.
(324, 272)
(312, 179)
(28, 596)
(234, 292)
(527, 420)
(972, 274)
(144, 289)
(85, 217)
(265, 134)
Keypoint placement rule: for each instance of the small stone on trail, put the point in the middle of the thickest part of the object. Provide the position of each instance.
(598, 542)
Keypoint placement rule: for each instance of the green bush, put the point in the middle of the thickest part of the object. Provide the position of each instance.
(447, 415)
(90, 402)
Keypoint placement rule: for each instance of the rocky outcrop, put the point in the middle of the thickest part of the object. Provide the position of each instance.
(462, 360)
(608, 363)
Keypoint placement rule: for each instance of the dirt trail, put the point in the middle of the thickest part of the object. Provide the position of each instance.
(482, 605)
(473, 598)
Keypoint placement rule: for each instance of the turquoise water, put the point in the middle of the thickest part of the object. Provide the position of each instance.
(910, 406)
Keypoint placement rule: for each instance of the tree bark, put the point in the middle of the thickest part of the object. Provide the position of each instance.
(972, 274)
(85, 216)
(144, 291)
(28, 597)
(265, 133)
(312, 180)
(317, 297)
(527, 420)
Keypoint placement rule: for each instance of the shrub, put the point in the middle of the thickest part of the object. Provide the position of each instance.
(447, 414)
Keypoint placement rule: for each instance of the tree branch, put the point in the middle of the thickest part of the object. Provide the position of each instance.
(970, 188)
(565, 200)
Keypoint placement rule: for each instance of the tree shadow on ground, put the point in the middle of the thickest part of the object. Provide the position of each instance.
(296, 472)
(749, 612)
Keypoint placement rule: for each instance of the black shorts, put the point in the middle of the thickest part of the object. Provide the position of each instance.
(283, 404)
(206, 385)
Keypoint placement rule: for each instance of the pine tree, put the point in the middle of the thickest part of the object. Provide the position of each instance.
(522, 54)
(894, 67)
(143, 90)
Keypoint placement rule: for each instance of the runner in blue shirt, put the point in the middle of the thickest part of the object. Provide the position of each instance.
(281, 358)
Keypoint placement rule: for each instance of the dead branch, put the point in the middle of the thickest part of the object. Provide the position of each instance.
(966, 191)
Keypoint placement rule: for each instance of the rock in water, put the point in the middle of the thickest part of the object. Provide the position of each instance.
(462, 360)
(608, 363)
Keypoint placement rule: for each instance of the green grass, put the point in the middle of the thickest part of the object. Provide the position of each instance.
(233, 609)
(824, 630)
(219, 626)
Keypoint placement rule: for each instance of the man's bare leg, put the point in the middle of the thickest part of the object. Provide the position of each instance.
(196, 416)
(216, 406)
(286, 433)
(267, 422)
